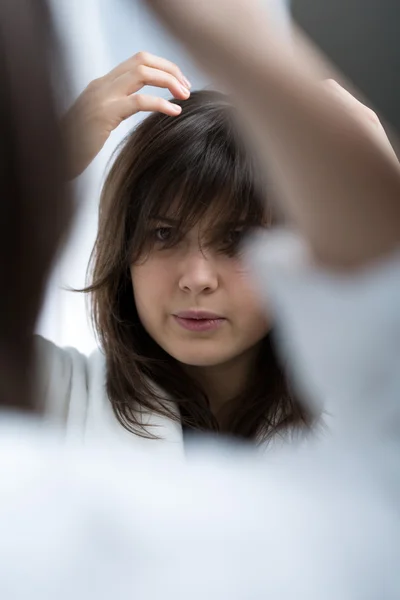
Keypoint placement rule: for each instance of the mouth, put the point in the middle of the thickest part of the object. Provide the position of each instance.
(199, 320)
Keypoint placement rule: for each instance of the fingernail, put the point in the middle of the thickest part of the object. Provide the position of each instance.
(186, 82)
(185, 90)
(176, 108)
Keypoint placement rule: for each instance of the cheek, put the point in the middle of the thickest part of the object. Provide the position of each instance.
(248, 304)
(151, 282)
(148, 277)
(144, 286)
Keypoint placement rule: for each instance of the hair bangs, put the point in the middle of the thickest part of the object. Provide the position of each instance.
(210, 178)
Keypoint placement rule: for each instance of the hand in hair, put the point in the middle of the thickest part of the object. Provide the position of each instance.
(111, 99)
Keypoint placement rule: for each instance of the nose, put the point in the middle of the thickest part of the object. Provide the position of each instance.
(198, 273)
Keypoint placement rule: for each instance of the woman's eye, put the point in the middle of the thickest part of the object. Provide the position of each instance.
(163, 234)
(234, 237)
(230, 244)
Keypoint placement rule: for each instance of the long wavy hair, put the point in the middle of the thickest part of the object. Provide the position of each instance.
(199, 158)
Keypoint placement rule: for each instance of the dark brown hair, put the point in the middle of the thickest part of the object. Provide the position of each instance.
(198, 159)
(34, 209)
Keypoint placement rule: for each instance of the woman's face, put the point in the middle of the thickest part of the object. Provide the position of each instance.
(196, 300)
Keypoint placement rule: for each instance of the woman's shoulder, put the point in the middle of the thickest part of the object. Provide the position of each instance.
(47, 350)
(67, 379)
(73, 388)
(67, 363)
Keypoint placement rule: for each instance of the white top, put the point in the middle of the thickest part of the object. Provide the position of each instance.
(73, 387)
(320, 522)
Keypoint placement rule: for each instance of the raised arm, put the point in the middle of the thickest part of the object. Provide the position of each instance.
(334, 178)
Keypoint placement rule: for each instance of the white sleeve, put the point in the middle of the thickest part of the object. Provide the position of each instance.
(340, 333)
(62, 382)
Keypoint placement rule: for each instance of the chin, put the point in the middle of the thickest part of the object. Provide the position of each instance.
(201, 359)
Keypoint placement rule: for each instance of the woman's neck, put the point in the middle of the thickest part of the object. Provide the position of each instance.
(224, 382)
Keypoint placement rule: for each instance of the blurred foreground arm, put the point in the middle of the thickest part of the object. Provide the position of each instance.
(335, 179)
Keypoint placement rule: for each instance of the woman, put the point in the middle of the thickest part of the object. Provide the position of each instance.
(186, 343)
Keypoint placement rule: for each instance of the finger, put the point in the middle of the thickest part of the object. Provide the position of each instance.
(149, 60)
(133, 81)
(142, 103)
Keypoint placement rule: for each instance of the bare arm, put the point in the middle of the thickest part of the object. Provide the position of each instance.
(336, 181)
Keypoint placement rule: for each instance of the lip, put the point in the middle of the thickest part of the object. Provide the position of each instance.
(199, 320)
(197, 314)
